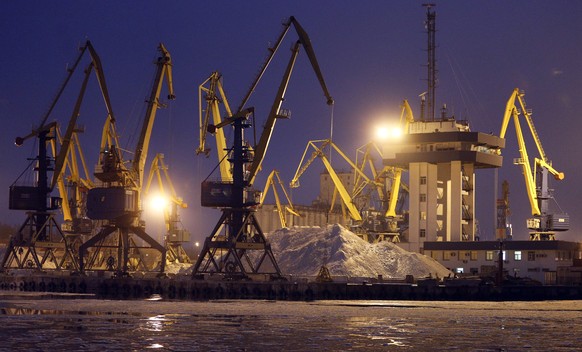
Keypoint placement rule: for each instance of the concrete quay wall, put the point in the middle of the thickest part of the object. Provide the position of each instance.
(186, 288)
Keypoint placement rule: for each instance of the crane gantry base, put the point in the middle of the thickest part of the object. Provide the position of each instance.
(114, 249)
(237, 255)
(40, 244)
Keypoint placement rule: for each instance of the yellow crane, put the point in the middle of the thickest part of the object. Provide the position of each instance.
(318, 147)
(392, 192)
(544, 224)
(236, 198)
(117, 201)
(39, 239)
(212, 91)
(272, 181)
(371, 224)
(176, 235)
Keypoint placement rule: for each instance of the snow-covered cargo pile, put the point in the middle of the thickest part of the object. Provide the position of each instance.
(302, 251)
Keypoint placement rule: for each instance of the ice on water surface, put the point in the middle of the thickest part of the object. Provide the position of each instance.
(97, 325)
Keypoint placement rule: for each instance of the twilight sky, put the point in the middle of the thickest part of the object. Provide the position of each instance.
(371, 54)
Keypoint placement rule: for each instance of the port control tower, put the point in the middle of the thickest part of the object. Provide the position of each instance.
(441, 157)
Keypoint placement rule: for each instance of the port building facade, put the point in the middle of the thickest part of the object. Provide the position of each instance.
(441, 157)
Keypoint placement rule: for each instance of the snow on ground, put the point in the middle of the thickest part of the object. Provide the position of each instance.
(303, 250)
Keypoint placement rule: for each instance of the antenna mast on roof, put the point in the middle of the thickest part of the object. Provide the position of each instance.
(431, 64)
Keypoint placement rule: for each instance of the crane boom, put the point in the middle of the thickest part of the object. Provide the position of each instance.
(306, 42)
(164, 68)
(66, 140)
(261, 148)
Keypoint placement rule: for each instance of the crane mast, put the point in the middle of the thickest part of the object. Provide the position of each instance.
(544, 223)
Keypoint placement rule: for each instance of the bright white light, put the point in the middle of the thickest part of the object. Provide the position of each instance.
(382, 133)
(159, 202)
(385, 133)
(396, 132)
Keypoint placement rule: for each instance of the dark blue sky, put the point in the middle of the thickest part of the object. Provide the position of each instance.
(371, 53)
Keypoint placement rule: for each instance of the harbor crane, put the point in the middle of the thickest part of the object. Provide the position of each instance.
(318, 147)
(272, 181)
(175, 235)
(392, 193)
(364, 222)
(117, 201)
(230, 253)
(544, 223)
(373, 225)
(40, 240)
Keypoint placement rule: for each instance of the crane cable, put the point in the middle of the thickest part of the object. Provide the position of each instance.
(330, 130)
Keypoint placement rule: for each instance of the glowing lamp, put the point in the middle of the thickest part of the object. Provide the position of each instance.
(159, 202)
(384, 133)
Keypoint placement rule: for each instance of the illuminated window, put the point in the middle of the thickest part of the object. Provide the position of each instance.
(517, 255)
(473, 255)
(423, 197)
(423, 180)
(423, 215)
(446, 255)
(531, 256)
(489, 255)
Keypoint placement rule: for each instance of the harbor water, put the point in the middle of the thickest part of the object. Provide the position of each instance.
(29, 323)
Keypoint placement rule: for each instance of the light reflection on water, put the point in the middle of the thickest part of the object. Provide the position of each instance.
(155, 323)
(97, 325)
